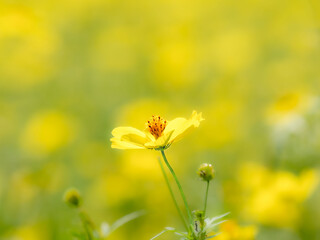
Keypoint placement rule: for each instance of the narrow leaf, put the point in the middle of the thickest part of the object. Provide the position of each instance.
(125, 219)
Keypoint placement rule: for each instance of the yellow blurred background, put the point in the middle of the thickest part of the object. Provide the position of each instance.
(71, 71)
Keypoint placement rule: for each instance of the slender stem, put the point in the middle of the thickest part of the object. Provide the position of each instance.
(84, 220)
(179, 185)
(206, 199)
(172, 195)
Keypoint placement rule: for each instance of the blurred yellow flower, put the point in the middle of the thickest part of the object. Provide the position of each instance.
(230, 230)
(159, 133)
(287, 107)
(275, 198)
(24, 34)
(47, 132)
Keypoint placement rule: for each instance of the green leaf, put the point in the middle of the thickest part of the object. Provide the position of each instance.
(167, 229)
(122, 221)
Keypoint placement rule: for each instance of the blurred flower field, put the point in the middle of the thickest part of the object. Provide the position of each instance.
(71, 71)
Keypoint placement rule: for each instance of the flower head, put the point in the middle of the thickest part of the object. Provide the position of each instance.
(156, 126)
(206, 171)
(159, 133)
(72, 197)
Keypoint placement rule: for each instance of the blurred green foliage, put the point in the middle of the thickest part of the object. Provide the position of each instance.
(71, 71)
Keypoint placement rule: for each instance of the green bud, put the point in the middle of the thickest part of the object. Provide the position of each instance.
(198, 214)
(73, 198)
(198, 220)
(206, 172)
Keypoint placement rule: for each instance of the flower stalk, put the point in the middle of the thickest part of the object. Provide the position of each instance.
(178, 184)
(206, 198)
(172, 195)
(87, 224)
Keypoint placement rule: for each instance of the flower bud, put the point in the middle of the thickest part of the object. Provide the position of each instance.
(73, 198)
(198, 214)
(198, 220)
(206, 172)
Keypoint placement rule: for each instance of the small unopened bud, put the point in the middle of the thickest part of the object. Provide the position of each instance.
(206, 172)
(198, 220)
(198, 214)
(73, 198)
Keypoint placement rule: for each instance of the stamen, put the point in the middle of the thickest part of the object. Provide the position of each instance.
(156, 126)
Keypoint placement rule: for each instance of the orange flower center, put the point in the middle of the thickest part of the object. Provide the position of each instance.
(156, 126)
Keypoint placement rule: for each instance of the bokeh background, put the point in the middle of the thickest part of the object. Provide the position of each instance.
(71, 71)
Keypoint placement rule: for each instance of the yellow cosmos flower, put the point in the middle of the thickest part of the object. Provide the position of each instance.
(159, 133)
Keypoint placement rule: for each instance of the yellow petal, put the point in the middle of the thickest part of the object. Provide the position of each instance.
(182, 126)
(175, 124)
(160, 142)
(128, 137)
(116, 143)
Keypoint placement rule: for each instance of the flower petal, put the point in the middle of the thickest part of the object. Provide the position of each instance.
(116, 143)
(128, 137)
(182, 126)
(175, 124)
(160, 142)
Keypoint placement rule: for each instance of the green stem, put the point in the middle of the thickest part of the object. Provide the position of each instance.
(206, 199)
(84, 221)
(179, 186)
(172, 195)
